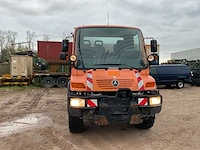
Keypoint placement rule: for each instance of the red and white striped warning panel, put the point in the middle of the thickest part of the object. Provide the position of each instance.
(139, 80)
(142, 101)
(92, 103)
(89, 82)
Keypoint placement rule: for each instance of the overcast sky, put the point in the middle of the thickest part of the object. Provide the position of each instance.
(174, 23)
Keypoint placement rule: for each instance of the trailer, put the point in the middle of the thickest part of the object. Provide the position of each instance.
(18, 80)
(43, 68)
(49, 70)
(50, 78)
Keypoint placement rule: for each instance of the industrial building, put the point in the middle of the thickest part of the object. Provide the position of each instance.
(192, 54)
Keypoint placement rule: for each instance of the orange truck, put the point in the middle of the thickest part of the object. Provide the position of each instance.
(110, 79)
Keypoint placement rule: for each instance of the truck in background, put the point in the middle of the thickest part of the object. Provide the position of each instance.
(50, 70)
(44, 68)
(109, 79)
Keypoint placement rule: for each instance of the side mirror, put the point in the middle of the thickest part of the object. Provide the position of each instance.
(153, 46)
(65, 45)
(63, 56)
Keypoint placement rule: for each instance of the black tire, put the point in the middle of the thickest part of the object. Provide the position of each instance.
(76, 125)
(147, 123)
(48, 82)
(62, 81)
(180, 84)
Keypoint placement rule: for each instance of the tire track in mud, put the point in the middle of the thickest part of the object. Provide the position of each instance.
(9, 103)
(36, 99)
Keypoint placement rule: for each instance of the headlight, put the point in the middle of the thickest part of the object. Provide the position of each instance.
(73, 58)
(155, 100)
(77, 102)
(151, 58)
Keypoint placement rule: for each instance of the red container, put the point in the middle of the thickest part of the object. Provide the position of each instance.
(50, 51)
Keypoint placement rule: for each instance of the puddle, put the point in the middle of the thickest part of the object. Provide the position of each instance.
(23, 124)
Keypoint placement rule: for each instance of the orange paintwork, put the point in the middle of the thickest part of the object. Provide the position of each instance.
(113, 72)
(102, 78)
(106, 26)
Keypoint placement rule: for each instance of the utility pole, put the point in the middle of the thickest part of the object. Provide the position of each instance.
(108, 18)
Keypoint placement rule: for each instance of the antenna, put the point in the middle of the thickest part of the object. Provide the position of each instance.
(108, 18)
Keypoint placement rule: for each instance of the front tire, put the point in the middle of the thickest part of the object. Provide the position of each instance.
(180, 84)
(146, 124)
(76, 125)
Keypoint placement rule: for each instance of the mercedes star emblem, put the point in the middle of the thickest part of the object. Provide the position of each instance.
(115, 83)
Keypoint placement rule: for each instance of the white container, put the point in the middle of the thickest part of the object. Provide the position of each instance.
(21, 65)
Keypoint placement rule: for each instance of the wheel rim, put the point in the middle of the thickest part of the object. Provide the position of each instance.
(48, 82)
(62, 82)
(180, 84)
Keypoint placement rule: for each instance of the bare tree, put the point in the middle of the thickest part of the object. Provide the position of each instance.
(29, 37)
(7, 40)
(11, 37)
(68, 36)
(2, 39)
(46, 37)
(64, 35)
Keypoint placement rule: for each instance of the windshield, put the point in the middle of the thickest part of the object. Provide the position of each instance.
(109, 47)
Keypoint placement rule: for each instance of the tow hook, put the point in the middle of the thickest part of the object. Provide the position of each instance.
(101, 120)
(136, 119)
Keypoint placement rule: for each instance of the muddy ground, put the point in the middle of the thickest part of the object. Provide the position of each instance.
(36, 119)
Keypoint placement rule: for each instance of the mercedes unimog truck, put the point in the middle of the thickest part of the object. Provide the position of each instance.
(109, 77)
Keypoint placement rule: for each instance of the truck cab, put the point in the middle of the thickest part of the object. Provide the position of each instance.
(110, 79)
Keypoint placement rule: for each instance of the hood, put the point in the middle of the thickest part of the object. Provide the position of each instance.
(113, 79)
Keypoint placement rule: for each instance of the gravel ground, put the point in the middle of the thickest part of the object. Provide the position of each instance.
(36, 119)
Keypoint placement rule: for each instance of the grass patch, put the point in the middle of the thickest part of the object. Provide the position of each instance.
(17, 87)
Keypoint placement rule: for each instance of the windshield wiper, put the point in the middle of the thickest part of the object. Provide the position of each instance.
(79, 50)
(129, 66)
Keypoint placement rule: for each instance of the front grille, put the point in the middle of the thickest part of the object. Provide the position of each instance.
(107, 83)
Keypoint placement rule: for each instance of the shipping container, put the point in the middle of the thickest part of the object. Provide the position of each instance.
(50, 51)
(58, 68)
(21, 65)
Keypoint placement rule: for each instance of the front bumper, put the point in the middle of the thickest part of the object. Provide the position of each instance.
(117, 108)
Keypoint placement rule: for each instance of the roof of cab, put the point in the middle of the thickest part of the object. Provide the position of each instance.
(106, 26)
